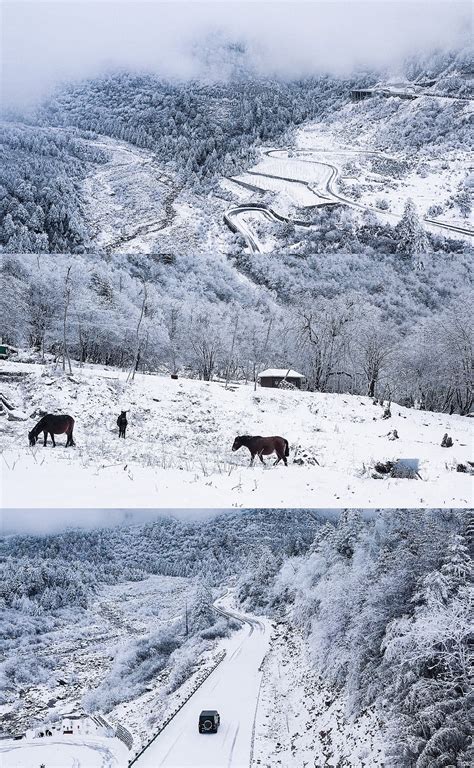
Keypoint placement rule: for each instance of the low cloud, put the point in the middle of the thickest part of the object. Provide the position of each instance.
(41, 522)
(45, 43)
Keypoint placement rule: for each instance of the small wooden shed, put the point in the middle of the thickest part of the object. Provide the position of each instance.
(273, 377)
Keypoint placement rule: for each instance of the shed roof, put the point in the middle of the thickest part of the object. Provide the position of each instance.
(283, 372)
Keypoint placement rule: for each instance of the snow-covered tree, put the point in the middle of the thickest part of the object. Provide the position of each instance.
(412, 239)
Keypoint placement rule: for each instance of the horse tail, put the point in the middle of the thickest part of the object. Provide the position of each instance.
(287, 448)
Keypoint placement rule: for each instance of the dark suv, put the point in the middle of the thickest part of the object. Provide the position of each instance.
(209, 721)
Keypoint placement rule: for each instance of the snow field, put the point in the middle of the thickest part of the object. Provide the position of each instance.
(63, 752)
(178, 447)
(300, 721)
(126, 199)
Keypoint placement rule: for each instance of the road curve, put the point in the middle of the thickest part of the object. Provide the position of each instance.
(233, 690)
(337, 197)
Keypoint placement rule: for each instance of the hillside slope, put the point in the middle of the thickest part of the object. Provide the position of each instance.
(178, 446)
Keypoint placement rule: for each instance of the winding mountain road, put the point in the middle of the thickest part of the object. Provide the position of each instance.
(336, 196)
(233, 689)
(324, 190)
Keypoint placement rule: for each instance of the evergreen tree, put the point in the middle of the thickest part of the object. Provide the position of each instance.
(412, 239)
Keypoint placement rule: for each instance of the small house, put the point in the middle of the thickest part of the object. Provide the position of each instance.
(273, 377)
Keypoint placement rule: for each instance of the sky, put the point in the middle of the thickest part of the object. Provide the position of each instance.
(45, 521)
(45, 43)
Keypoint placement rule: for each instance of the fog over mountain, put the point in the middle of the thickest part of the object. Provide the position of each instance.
(47, 521)
(45, 43)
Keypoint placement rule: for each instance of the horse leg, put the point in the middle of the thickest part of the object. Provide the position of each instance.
(278, 459)
(261, 459)
(252, 459)
(52, 438)
(45, 439)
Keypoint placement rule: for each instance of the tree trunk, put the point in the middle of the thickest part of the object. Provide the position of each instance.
(136, 360)
(227, 375)
(67, 297)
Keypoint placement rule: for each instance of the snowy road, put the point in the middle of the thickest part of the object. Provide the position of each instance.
(310, 181)
(332, 174)
(233, 689)
(236, 219)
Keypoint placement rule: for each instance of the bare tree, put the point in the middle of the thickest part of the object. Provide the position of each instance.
(173, 336)
(206, 342)
(231, 353)
(136, 360)
(67, 299)
(372, 346)
(323, 332)
(260, 348)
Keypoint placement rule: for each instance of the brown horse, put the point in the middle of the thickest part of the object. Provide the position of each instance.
(53, 425)
(263, 446)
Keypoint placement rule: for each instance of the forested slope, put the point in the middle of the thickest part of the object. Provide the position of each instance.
(385, 607)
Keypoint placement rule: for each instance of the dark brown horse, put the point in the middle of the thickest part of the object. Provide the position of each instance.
(122, 423)
(53, 425)
(263, 446)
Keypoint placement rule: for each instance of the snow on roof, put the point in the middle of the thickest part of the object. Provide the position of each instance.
(283, 372)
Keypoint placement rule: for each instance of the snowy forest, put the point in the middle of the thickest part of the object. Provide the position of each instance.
(48, 584)
(406, 335)
(381, 597)
(200, 132)
(385, 606)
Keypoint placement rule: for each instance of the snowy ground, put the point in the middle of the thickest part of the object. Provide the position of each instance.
(129, 199)
(300, 722)
(178, 447)
(63, 752)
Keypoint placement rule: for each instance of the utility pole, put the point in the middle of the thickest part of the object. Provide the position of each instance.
(186, 625)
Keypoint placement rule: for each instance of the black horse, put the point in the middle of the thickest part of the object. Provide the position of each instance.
(263, 446)
(53, 425)
(122, 423)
